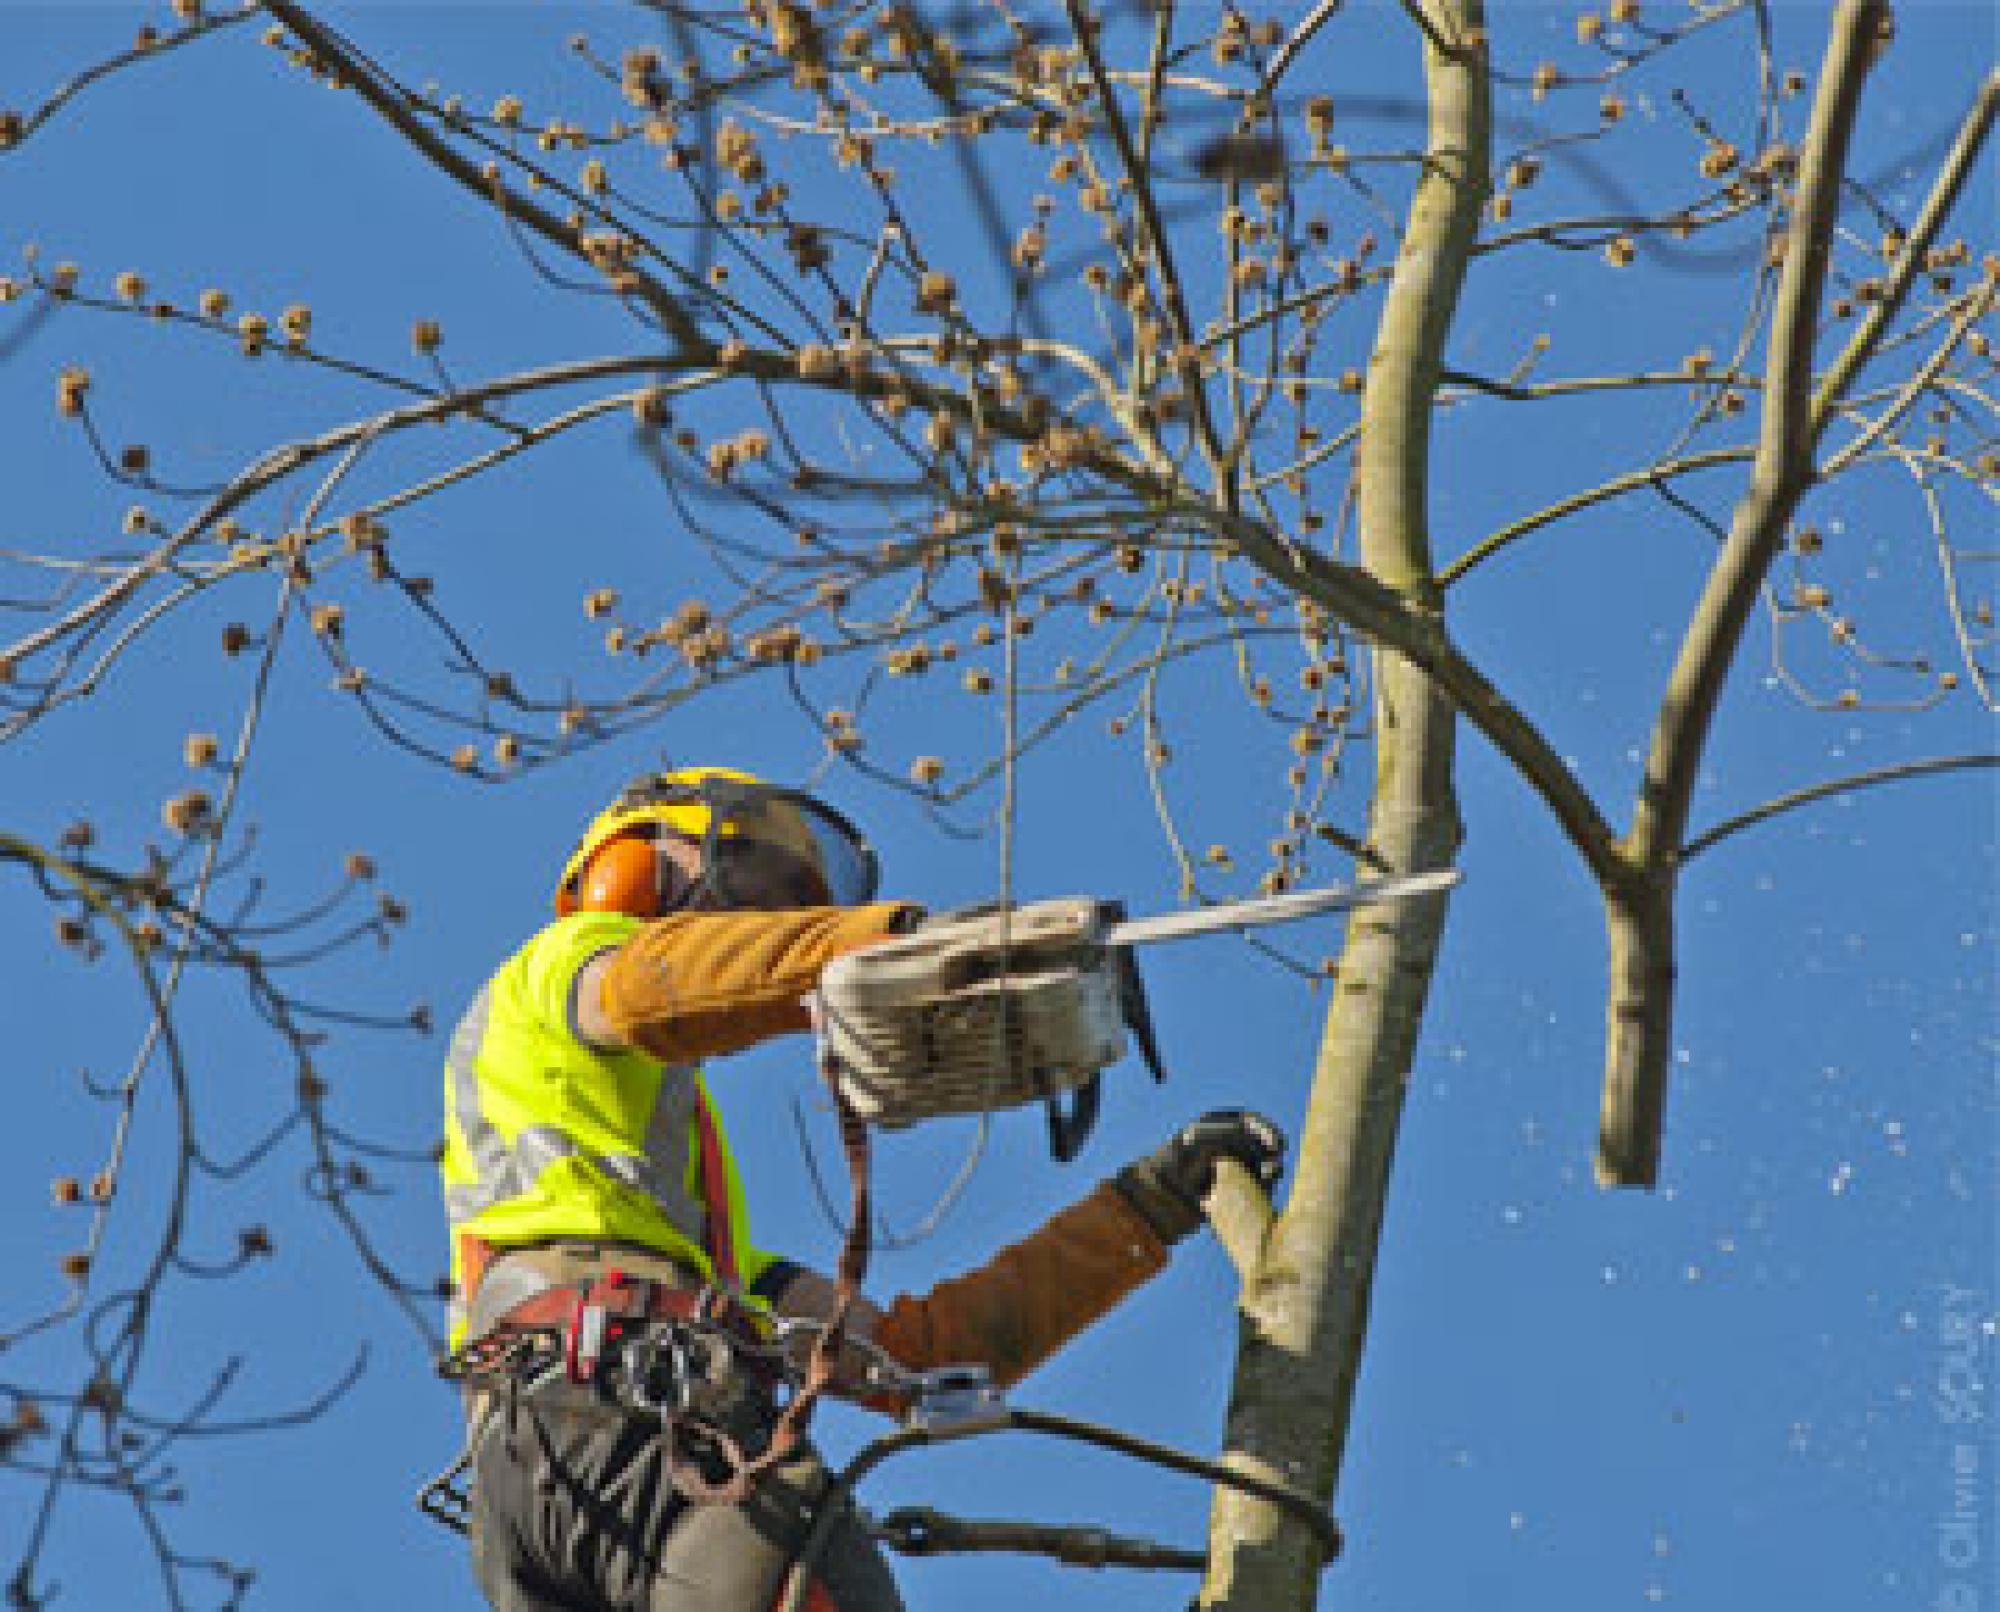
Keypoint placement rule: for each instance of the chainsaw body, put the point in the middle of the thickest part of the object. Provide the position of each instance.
(992, 1007)
(983, 1011)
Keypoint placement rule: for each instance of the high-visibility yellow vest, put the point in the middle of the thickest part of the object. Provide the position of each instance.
(546, 1137)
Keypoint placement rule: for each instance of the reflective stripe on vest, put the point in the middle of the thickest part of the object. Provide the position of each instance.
(507, 1170)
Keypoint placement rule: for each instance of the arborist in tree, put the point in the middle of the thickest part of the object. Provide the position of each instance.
(589, 1183)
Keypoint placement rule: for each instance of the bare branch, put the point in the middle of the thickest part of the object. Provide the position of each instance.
(1827, 791)
(1186, 361)
(153, 47)
(1639, 906)
(1959, 165)
(351, 69)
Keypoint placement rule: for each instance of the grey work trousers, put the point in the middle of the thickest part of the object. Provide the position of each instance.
(574, 1507)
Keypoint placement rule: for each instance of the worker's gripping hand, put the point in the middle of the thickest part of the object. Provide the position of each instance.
(1168, 1184)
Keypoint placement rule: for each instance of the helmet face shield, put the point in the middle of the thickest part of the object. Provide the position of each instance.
(767, 847)
(747, 874)
(762, 846)
(847, 863)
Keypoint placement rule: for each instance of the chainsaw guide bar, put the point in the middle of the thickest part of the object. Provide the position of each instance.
(999, 1006)
(1282, 909)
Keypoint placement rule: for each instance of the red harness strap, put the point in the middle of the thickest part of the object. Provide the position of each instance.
(715, 1197)
(622, 1298)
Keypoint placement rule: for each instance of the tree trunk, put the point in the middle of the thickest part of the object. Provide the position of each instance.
(1305, 1311)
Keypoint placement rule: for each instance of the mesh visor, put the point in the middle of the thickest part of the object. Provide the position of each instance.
(773, 848)
(747, 874)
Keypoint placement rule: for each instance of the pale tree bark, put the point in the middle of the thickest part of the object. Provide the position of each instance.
(1305, 1306)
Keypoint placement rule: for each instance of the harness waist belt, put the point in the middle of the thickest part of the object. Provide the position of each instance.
(627, 1300)
(593, 1316)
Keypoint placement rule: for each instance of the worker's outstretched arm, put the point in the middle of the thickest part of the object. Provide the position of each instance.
(696, 985)
(1023, 1305)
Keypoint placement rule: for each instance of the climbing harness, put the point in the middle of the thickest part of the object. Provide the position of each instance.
(663, 1368)
(632, 1340)
(997, 1006)
(687, 1358)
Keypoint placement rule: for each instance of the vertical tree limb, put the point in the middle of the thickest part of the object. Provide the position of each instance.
(1305, 1316)
(1639, 907)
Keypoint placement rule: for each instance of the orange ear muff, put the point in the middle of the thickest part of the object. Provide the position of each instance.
(624, 876)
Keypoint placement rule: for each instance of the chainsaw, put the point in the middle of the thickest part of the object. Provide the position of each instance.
(988, 1008)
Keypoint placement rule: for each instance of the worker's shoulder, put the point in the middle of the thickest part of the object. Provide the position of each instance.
(531, 991)
(547, 961)
(568, 943)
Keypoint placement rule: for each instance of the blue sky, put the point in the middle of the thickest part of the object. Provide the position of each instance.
(1737, 1391)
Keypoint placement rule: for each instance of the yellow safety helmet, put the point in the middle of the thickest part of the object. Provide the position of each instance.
(762, 846)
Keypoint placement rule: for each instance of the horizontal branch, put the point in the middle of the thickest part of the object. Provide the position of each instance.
(280, 463)
(1538, 391)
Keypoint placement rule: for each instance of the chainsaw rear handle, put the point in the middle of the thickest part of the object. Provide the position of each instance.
(1070, 1127)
